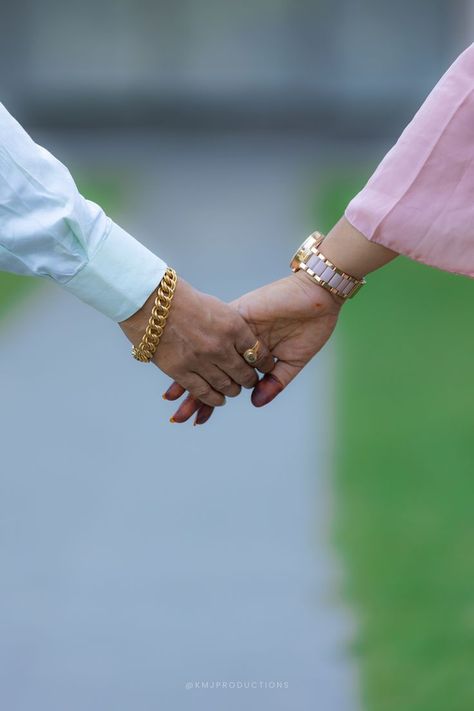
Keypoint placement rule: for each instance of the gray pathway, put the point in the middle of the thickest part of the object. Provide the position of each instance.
(137, 556)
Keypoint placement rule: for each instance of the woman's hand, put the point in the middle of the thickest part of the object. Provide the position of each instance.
(295, 318)
(202, 344)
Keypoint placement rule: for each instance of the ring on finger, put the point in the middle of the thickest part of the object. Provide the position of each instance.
(251, 355)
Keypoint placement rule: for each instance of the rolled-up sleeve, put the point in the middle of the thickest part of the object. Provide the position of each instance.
(48, 229)
(420, 200)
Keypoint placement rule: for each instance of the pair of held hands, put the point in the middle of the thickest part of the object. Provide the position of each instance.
(204, 339)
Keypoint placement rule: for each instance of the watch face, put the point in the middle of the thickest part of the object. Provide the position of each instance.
(302, 253)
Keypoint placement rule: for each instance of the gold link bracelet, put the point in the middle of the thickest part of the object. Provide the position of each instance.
(146, 349)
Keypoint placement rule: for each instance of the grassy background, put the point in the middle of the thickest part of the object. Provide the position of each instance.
(405, 479)
(13, 290)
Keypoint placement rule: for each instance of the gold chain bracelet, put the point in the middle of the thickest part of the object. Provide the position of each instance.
(146, 349)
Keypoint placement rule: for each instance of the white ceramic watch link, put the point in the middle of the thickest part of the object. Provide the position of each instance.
(322, 271)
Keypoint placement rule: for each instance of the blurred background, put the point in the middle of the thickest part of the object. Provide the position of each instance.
(306, 556)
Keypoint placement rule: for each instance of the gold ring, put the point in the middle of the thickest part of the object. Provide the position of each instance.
(251, 354)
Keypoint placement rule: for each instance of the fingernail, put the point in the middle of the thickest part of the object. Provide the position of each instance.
(201, 419)
(266, 391)
(165, 396)
(172, 419)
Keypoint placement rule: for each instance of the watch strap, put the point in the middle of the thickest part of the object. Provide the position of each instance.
(324, 272)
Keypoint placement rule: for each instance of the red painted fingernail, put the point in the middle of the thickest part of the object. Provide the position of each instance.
(266, 391)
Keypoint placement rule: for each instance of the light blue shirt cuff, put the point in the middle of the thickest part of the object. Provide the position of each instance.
(119, 277)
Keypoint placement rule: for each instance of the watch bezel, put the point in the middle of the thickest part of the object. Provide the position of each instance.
(303, 253)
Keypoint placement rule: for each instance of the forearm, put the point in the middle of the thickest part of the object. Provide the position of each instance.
(419, 200)
(352, 252)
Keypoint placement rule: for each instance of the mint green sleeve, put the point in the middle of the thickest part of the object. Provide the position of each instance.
(48, 229)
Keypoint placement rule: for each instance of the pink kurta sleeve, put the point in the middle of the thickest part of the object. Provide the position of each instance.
(420, 200)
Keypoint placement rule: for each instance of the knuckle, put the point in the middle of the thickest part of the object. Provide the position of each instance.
(235, 390)
(201, 392)
(249, 380)
(216, 400)
(211, 349)
(208, 396)
(223, 384)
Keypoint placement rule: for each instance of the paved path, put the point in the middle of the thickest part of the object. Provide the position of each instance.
(137, 556)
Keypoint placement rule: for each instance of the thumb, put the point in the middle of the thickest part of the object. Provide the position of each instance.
(273, 383)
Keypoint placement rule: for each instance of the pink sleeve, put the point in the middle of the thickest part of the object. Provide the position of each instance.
(420, 200)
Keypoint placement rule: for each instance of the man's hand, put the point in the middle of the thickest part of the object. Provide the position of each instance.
(295, 318)
(202, 344)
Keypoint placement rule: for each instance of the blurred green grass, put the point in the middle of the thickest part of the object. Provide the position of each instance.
(105, 189)
(13, 290)
(404, 468)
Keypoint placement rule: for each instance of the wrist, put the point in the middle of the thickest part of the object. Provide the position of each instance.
(310, 258)
(316, 292)
(135, 324)
(352, 252)
(119, 275)
(151, 319)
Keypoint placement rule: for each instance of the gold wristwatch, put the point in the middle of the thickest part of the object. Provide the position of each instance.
(322, 271)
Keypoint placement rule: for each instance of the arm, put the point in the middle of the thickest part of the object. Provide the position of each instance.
(48, 229)
(354, 253)
(419, 202)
